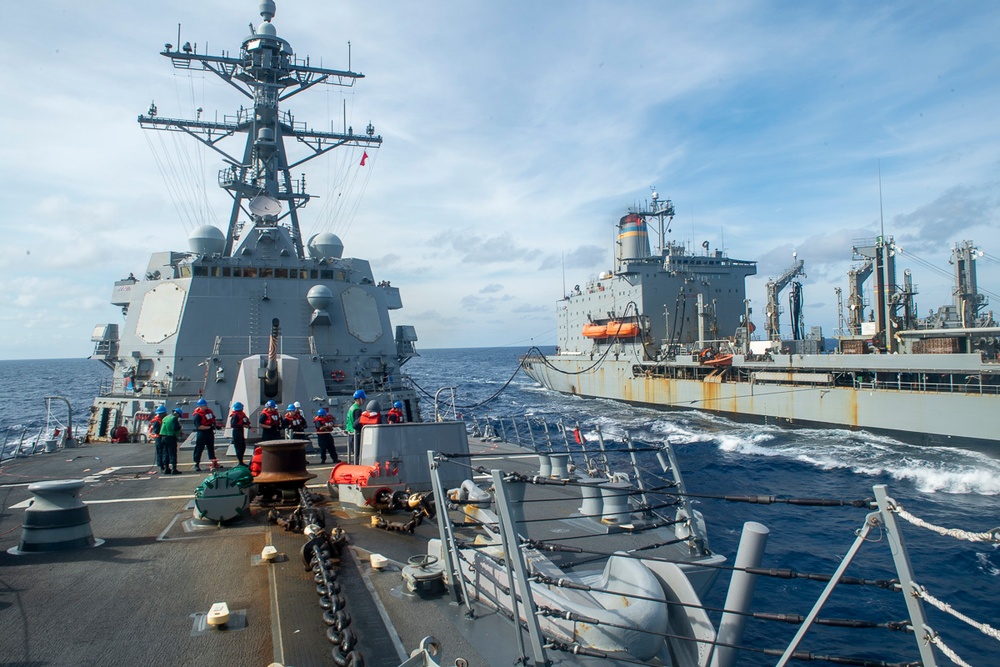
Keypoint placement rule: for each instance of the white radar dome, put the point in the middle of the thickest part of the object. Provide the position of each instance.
(266, 29)
(325, 244)
(207, 240)
(319, 297)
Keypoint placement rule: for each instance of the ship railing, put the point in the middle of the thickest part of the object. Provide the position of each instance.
(879, 527)
(21, 442)
(250, 345)
(55, 433)
(969, 385)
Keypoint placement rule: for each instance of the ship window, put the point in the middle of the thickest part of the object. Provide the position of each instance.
(200, 271)
(144, 369)
(303, 274)
(249, 272)
(226, 272)
(313, 274)
(267, 272)
(341, 275)
(216, 271)
(326, 274)
(280, 273)
(185, 272)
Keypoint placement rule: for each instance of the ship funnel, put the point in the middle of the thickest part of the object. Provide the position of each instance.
(633, 238)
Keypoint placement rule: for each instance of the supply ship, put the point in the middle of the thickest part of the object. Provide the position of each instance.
(253, 312)
(675, 330)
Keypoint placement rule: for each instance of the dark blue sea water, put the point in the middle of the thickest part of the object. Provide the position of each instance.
(948, 487)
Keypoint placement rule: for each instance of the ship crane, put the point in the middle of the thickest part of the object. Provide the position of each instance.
(855, 301)
(773, 310)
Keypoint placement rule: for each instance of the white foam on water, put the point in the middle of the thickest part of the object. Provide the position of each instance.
(985, 565)
(928, 469)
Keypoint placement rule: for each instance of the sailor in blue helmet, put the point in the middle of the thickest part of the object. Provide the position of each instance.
(270, 422)
(239, 422)
(204, 435)
(395, 414)
(323, 421)
(153, 431)
(294, 423)
(352, 427)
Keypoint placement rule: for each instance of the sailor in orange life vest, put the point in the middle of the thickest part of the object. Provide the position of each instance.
(204, 434)
(153, 430)
(238, 421)
(395, 414)
(323, 421)
(270, 422)
(371, 415)
(294, 423)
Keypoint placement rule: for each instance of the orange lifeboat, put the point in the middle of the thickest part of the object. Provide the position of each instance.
(623, 329)
(595, 330)
(720, 361)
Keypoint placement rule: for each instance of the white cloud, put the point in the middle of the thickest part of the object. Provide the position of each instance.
(515, 137)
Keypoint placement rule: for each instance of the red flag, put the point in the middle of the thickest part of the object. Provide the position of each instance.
(363, 158)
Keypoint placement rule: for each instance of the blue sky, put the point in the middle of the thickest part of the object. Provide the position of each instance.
(516, 134)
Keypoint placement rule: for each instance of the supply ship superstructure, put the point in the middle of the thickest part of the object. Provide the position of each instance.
(255, 312)
(675, 330)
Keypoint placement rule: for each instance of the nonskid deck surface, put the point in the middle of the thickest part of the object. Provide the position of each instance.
(137, 598)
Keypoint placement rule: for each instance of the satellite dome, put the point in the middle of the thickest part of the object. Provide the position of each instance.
(325, 244)
(207, 240)
(319, 297)
(266, 29)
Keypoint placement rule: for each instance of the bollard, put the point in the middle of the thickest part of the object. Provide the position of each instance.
(57, 519)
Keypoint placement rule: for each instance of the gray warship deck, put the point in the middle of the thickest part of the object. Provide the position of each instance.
(140, 597)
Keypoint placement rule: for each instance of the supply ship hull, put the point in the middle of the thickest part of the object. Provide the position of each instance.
(675, 330)
(808, 397)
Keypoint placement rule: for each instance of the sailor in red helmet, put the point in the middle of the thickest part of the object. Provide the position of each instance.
(204, 434)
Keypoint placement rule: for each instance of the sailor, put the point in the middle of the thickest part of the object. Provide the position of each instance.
(294, 423)
(238, 421)
(372, 414)
(323, 421)
(153, 430)
(270, 422)
(170, 433)
(204, 435)
(395, 414)
(352, 428)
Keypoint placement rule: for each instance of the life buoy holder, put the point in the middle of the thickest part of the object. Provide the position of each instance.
(338, 375)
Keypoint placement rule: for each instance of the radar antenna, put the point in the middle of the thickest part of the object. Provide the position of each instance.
(266, 72)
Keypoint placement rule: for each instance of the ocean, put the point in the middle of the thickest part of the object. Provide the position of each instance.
(947, 487)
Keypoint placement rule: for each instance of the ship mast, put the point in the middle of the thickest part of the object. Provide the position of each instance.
(662, 210)
(266, 72)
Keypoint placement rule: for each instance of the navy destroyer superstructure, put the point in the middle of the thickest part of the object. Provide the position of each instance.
(254, 313)
(675, 329)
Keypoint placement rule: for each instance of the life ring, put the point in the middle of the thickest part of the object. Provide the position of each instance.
(338, 375)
